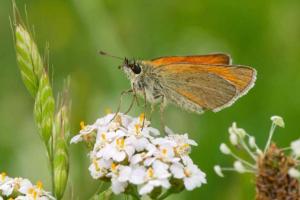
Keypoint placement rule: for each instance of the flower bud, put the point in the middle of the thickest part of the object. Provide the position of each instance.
(278, 121)
(218, 170)
(239, 167)
(233, 139)
(225, 149)
(252, 143)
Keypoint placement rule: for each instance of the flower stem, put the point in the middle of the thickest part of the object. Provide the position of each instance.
(272, 129)
(243, 161)
(165, 195)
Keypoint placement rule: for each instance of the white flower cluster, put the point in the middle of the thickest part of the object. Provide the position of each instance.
(22, 189)
(127, 152)
(240, 138)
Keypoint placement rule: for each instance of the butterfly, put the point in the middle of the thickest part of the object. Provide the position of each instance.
(194, 83)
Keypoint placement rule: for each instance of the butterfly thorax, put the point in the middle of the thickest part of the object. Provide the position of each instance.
(143, 80)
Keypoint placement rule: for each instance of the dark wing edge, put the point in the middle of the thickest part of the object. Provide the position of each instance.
(242, 93)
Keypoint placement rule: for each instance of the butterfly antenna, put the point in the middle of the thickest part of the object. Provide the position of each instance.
(103, 53)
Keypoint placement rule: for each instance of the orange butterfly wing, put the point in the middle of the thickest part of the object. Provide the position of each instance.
(212, 87)
(216, 59)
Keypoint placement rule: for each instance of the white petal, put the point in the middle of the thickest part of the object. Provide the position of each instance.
(141, 144)
(169, 131)
(154, 131)
(125, 173)
(129, 150)
(138, 175)
(135, 159)
(119, 156)
(76, 139)
(146, 189)
(25, 184)
(165, 183)
(118, 187)
(177, 170)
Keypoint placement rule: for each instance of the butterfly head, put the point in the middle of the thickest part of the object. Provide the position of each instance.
(131, 68)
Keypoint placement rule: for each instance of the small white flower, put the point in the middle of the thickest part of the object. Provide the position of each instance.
(225, 149)
(118, 150)
(99, 168)
(165, 153)
(32, 192)
(192, 176)
(155, 176)
(239, 167)
(85, 134)
(294, 173)
(278, 121)
(127, 151)
(295, 146)
(120, 177)
(7, 187)
(180, 143)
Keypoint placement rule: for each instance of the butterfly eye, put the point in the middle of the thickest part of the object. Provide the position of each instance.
(136, 68)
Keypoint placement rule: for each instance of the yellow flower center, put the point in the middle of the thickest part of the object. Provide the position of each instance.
(39, 185)
(82, 125)
(120, 143)
(142, 117)
(187, 172)
(137, 129)
(150, 172)
(96, 165)
(164, 151)
(103, 136)
(32, 192)
(183, 149)
(3, 175)
(113, 167)
(11, 198)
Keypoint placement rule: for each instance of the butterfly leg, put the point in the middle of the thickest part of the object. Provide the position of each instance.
(161, 109)
(120, 102)
(151, 112)
(145, 107)
(134, 99)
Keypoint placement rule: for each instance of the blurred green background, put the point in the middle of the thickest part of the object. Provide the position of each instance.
(262, 34)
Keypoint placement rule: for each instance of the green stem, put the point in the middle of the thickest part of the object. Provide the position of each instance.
(165, 195)
(98, 191)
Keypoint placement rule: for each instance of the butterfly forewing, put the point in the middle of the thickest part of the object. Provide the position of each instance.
(211, 87)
